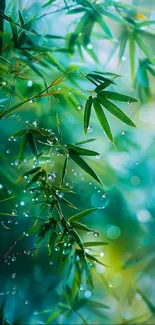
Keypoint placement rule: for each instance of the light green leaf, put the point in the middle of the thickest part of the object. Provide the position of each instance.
(82, 214)
(132, 49)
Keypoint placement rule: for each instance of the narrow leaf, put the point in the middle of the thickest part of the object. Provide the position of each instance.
(102, 119)
(94, 243)
(80, 162)
(81, 151)
(87, 113)
(113, 109)
(119, 97)
(82, 214)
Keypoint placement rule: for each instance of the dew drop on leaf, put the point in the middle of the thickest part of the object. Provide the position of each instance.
(123, 132)
(79, 107)
(96, 234)
(13, 275)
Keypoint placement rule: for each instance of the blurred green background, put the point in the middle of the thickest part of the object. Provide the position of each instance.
(29, 283)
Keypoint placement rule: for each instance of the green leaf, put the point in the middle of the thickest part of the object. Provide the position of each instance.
(86, 267)
(94, 259)
(114, 110)
(104, 26)
(81, 151)
(77, 239)
(87, 113)
(80, 226)
(99, 78)
(14, 32)
(67, 202)
(64, 169)
(94, 243)
(80, 162)
(132, 53)
(19, 133)
(123, 41)
(81, 214)
(97, 304)
(102, 119)
(48, 3)
(54, 315)
(5, 60)
(21, 18)
(145, 48)
(22, 148)
(86, 141)
(118, 97)
(32, 144)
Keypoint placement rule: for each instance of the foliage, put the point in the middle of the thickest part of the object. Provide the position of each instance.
(43, 77)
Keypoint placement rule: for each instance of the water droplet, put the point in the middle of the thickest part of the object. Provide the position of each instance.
(137, 163)
(30, 83)
(1, 186)
(9, 221)
(22, 203)
(81, 287)
(8, 151)
(104, 196)
(96, 234)
(89, 46)
(14, 211)
(4, 83)
(13, 292)
(79, 107)
(13, 275)
(26, 302)
(123, 132)
(57, 248)
(98, 157)
(89, 129)
(124, 58)
(31, 101)
(35, 123)
(9, 191)
(88, 294)
(102, 254)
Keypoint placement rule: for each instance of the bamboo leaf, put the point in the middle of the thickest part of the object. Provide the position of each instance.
(80, 162)
(80, 226)
(132, 49)
(118, 97)
(32, 144)
(123, 42)
(82, 214)
(64, 169)
(144, 48)
(94, 243)
(114, 110)
(102, 119)
(94, 259)
(97, 304)
(81, 151)
(87, 113)
(22, 148)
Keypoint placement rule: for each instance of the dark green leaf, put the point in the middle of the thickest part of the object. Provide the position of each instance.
(102, 119)
(118, 97)
(87, 113)
(80, 226)
(94, 243)
(19, 133)
(86, 141)
(145, 48)
(123, 41)
(94, 259)
(22, 148)
(32, 144)
(113, 109)
(80, 151)
(64, 169)
(80, 162)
